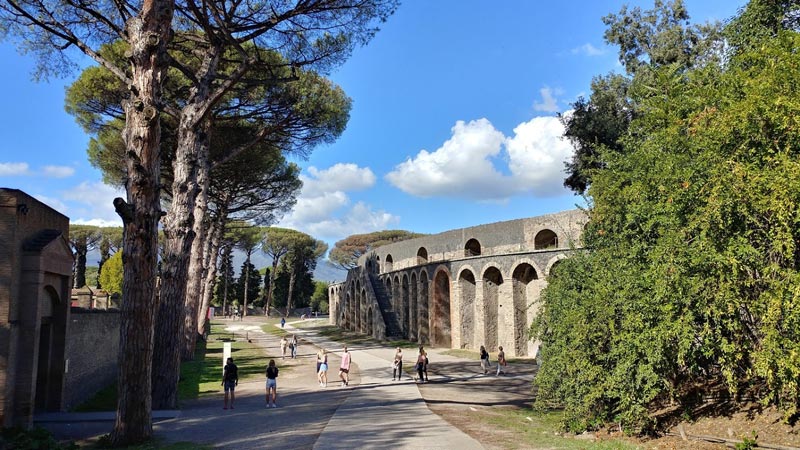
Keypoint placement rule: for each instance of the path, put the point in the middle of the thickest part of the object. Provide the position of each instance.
(373, 412)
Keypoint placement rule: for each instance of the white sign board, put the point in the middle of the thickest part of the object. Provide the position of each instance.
(226, 353)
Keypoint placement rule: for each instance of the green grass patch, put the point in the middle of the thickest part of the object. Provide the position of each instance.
(201, 376)
(541, 430)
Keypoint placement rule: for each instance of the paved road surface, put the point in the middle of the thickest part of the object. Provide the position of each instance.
(372, 412)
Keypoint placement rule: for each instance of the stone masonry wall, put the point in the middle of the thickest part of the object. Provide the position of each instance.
(92, 350)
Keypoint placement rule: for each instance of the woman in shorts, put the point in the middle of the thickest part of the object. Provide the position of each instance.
(272, 384)
(322, 374)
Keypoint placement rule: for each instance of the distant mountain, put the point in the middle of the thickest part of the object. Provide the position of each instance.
(328, 272)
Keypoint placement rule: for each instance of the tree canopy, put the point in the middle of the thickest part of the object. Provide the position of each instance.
(345, 253)
(692, 273)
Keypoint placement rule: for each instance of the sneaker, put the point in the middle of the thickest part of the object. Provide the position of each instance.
(274, 405)
(225, 407)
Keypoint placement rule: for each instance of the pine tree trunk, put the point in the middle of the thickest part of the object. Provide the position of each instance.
(179, 233)
(149, 34)
(246, 282)
(80, 266)
(210, 276)
(292, 279)
(271, 290)
(196, 269)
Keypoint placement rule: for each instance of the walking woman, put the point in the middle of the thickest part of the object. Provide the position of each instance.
(397, 366)
(485, 360)
(322, 374)
(272, 384)
(422, 359)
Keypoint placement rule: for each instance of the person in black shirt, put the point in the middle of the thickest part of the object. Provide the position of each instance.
(272, 384)
(230, 379)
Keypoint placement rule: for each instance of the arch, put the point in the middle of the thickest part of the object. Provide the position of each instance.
(365, 324)
(389, 288)
(545, 239)
(370, 323)
(424, 309)
(377, 263)
(440, 323)
(413, 309)
(422, 256)
(472, 248)
(405, 313)
(389, 263)
(492, 279)
(554, 261)
(523, 274)
(48, 378)
(466, 292)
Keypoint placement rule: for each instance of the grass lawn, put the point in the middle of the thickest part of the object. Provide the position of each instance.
(539, 430)
(201, 376)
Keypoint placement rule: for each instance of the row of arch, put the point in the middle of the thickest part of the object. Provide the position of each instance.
(544, 239)
(423, 306)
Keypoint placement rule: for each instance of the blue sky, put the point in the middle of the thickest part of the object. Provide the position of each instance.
(453, 121)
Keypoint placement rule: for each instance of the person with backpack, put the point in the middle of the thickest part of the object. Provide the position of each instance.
(272, 384)
(344, 368)
(230, 379)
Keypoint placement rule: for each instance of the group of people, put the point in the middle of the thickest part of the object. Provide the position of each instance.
(420, 366)
(230, 377)
(501, 361)
(291, 344)
(322, 367)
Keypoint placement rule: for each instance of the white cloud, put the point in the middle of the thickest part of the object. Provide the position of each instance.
(537, 153)
(589, 50)
(11, 169)
(340, 177)
(91, 203)
(464, 166)
(461, 167)
(58, 171)
(323, 207)
(549, 102)
(54, 203)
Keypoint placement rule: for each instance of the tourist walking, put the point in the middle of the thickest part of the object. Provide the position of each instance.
(397, 365)
(293, 346)
(230, 379)
(283, 321)
(420, 366)
(485, 360)
(272, 384)
(322, 371)
(344, 368)
(284, 343)
(501, 361)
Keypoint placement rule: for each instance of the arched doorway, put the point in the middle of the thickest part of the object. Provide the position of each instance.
(492, 279)
(48, 375)
(370, 324)
(413, 311)
(466, 288)
(472, 248)
(388, 263)
(405, 316)
(545, 239)
(521, 277)
(441, 310)
(424, 309)
(422, 256)
(365, 325)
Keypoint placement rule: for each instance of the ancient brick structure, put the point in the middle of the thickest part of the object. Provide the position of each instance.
(460, 289)
(35, 280)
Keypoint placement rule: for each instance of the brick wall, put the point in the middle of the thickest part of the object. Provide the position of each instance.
(92, 350)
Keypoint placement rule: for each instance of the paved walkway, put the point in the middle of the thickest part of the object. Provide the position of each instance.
(372, 412)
